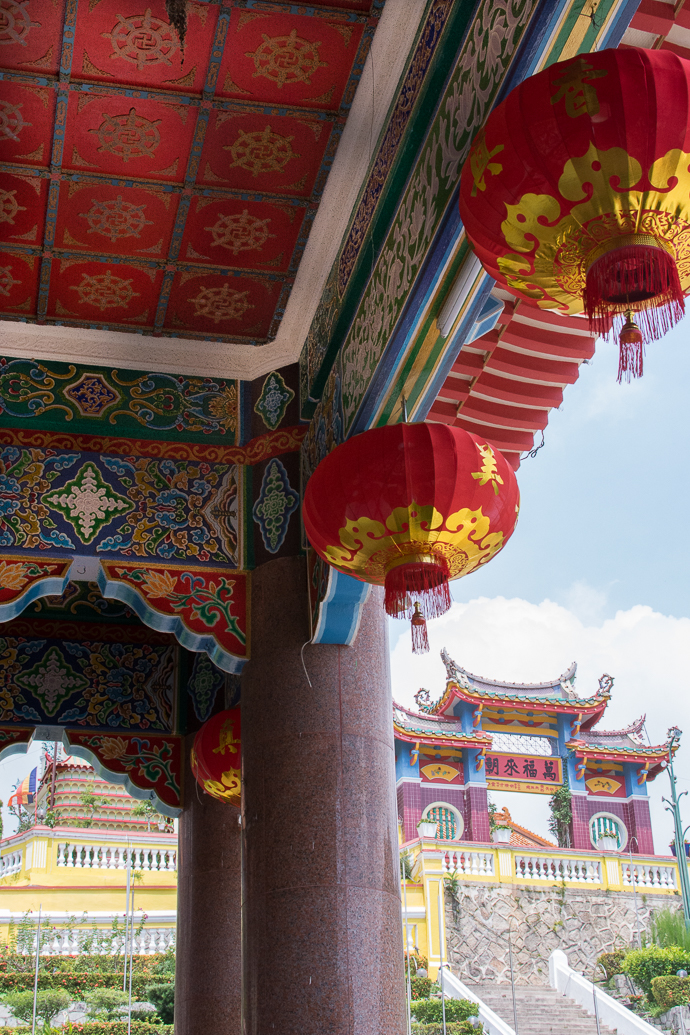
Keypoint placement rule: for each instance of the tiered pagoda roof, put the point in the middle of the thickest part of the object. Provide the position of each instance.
(434, 724)
(557, 694)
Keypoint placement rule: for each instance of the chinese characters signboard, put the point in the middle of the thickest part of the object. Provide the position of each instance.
(534, 773)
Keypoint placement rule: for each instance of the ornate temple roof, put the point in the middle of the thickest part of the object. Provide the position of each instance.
(622, 745)
(558, 694)
(436, 729)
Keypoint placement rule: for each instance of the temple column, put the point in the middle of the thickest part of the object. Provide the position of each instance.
(476, 799)
(208, 971)
(322, 925)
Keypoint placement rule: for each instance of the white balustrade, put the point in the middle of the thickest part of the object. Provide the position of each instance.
(648, 874)
(65, 942)
(558, 868)
(469, 863)
(106, 857)
(11, 863)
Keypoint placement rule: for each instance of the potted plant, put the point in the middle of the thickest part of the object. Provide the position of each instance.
(607, 842)
(427, 827)
(673, 848)
(500, 834)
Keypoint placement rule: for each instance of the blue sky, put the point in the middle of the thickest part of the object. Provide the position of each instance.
(598, 569)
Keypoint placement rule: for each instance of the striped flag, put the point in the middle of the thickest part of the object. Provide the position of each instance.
(26, 791)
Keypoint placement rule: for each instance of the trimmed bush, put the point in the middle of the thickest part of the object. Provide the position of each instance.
(643, 965)
(671, 991)
(454, 1028)
(163, 998)
(612, 962)
(429, 1011)
(16, 962)
(421, 987)
(49, 1004)
(110, 1028)
(77, 984)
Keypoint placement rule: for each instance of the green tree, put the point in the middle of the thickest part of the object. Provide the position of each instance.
(49, 1004)
(561, 805)
(106, 1004)
(91, 803)
(163, 998)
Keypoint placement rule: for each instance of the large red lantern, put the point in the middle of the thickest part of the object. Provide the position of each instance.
(408, 507)
(576, 193)
(216, 757)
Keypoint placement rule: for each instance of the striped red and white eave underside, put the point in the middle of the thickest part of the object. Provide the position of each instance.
(503, 385)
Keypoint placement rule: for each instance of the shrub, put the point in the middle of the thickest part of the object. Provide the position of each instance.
(667, 927)
(420, 987)
(430, 1010)
(48, 1004)
(612, 962)
(643, 965)
(671, 991)
(77, 983)
(106, 1004)
(163, 998)
(110, 1028)
(454, 1028)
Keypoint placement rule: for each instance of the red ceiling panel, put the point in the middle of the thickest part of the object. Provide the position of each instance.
(128, 136)
(138, 173)
(260, 152)
(229, 232)
(133, 43)
(30, 35)
(285, 59)
(104, 292)
(218, 304)
(18, 283)
(98, 217)
(22, 209)
(27, 114)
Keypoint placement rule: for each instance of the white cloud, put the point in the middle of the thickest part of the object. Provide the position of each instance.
(516, 641)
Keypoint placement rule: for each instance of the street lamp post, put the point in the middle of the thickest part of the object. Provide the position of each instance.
(673, 806)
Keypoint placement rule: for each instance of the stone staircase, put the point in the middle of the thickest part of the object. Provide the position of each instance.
(540, 1011)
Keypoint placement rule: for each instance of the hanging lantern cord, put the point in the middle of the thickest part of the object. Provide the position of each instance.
(177, 16)
(420, 639)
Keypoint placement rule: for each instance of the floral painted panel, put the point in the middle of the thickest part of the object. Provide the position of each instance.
(118, 685)
(133, 402)
(131, 506)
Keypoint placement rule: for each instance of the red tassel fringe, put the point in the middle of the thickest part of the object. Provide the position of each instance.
(640, 277)
(631, 351)
(426, 583)
(420, 638)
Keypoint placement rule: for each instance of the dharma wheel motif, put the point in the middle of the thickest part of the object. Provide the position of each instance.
(409, 507)
(576, 193)
(216, 757)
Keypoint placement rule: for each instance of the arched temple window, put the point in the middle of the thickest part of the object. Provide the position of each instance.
(449, 822)
(604, 824)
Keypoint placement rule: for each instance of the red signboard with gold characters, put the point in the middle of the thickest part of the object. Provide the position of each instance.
(216, 757)
(532, 773)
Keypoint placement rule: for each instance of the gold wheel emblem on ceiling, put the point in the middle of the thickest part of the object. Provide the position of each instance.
(286, 59)
(221, 303)
(128, 136)
(116, 219)
(9, 206)
(11, 121)
(260, 152)
(7, 281)
(104, 291)
(15, 22)
(143, 40)
(240, 233)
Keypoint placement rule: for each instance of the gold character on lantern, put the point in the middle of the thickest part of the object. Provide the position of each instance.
(576, 88)
(480, 161)
(226, 738)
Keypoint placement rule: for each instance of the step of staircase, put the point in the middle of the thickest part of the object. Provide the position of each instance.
(540, 1011)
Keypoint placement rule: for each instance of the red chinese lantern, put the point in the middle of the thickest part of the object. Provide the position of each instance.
(216, 757)
(408, 507)
(576, 193)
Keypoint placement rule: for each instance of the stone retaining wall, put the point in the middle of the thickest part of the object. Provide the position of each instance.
(581, 922)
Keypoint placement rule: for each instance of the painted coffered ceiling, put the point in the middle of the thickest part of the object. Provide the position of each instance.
(183, 214)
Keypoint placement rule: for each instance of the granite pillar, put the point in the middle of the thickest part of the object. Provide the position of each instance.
(322, 924)
(208, 972)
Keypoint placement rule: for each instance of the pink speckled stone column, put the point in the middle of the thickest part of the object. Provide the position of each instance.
(208, 974)
(322, 927)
